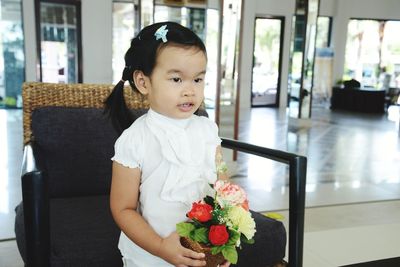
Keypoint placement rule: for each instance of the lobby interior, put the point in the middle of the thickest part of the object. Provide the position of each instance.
(353, 173)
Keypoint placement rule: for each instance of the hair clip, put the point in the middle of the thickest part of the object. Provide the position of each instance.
(161, 33)
(123, 81)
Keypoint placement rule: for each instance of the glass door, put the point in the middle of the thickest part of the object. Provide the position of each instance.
(60, 41)
(266, 61)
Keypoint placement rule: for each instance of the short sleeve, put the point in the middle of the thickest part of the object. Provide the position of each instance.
(128, 152)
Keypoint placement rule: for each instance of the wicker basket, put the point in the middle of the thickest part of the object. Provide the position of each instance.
(212, 260)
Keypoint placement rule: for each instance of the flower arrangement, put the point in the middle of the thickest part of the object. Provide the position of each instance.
(220, 223)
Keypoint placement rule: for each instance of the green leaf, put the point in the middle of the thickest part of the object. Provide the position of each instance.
(233, 237)
(230, 254)
(184, 229)
(250, 241)
(216, 250)
(201, 235)
(209, 200)
(244, 239)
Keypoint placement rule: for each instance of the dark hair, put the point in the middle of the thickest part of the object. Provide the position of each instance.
(142, 55)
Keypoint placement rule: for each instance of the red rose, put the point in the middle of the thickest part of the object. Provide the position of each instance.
(200, 212)
(218, 235)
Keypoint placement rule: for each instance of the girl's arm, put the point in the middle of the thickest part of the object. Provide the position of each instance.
(123, 203)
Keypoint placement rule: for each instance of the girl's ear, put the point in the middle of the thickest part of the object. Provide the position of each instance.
(141, 82)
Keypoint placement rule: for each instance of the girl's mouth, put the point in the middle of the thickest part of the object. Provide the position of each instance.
(185, 107)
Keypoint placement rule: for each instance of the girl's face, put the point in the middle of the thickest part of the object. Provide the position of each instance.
(176, 86)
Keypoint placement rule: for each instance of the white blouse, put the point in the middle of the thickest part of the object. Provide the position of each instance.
(177, 161)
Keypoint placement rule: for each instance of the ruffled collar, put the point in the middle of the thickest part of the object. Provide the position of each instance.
(185, 147)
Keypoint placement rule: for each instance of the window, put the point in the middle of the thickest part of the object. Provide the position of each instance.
(372, 48)
(12, 57)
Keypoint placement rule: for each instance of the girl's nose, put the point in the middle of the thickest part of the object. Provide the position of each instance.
(188, 91)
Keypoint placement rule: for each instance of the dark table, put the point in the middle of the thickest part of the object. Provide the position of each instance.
(369, 100)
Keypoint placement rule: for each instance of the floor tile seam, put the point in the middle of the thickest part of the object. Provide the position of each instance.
(337, 205)
(7, 239)
(327, 262)
(382, 226)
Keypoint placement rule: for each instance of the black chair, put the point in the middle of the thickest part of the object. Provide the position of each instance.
(64, 219)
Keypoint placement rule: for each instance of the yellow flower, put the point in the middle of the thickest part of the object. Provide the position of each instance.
(242, 220)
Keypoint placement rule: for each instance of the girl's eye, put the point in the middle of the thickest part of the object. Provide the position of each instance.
(198, 80)
(177, 80)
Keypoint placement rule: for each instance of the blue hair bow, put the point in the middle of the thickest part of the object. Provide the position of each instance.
(161, 33)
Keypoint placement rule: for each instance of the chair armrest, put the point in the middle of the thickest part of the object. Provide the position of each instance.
(297, 191)
(36, 210)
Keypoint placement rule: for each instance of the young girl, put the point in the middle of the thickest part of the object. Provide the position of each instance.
(166, 159)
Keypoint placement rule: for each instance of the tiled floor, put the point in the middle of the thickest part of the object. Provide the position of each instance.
(351, 157)
(353, 180)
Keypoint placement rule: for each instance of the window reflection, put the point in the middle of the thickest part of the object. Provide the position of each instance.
(124, 25)
(372, 53)
(59, 43)
(12, 58)
(266, 58)
(323, 68)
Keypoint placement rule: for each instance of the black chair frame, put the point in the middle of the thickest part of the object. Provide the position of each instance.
(297, 191)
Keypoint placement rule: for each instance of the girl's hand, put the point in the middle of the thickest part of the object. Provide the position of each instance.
(173, 252)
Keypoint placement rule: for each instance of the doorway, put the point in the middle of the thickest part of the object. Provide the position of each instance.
(267, 61)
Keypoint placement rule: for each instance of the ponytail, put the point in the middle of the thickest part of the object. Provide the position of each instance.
(115, 105)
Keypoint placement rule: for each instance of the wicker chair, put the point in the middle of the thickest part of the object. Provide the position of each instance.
(64, 218)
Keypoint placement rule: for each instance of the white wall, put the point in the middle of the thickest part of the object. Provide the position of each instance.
(327, 7)
(96, 40)
(263, 8)
(28, 11)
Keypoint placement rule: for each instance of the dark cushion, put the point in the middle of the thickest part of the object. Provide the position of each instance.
(269, 246)
(82, 233)
(76, 145)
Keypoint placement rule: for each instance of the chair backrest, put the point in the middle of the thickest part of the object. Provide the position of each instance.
(72, 136)
(36, 95)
